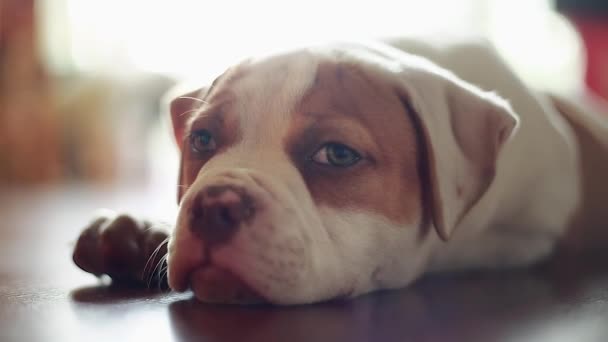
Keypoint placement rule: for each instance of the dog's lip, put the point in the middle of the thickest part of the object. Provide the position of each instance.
(209, 280)
(177, 281)
(182, 262)
(215, 284)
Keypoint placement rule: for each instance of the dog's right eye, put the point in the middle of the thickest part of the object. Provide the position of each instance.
(336, 154)
(201, 141)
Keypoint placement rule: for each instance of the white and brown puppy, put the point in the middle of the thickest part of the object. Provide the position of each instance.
(338, 170)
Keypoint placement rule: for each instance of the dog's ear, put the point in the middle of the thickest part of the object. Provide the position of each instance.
(463, 129)
(181, 106)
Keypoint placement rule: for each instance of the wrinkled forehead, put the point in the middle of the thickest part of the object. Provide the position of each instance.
(263, 93)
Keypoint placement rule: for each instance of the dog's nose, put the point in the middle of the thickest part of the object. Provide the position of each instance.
(218, 212)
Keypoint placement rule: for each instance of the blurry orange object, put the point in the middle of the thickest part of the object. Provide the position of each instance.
(590, 17)
(29, 131)
(594, 32)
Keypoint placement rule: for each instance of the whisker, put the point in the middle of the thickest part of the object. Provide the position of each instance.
(194, 99)
(162, 275)
(151, 258)
(157, 269)
(185, 187)
(189, 111)
(162, 271)
(147, 226)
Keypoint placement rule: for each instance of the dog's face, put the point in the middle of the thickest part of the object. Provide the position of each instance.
(314, 174)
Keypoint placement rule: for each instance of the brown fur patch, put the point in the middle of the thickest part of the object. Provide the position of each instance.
(345, 105)
(216, 116)
(349, 106)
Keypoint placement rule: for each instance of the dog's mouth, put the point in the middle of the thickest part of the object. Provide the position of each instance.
(213, 284)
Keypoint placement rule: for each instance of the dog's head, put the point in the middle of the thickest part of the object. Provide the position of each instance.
(326, 172)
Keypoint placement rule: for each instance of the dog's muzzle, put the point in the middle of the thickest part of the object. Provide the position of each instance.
(244, 237)
(218, 211)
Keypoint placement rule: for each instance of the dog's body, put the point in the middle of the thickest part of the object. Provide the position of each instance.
(334, 171)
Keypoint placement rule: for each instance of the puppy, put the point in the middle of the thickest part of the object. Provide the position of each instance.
(333, 171)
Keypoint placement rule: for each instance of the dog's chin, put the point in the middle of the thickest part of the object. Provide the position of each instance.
(212, 284)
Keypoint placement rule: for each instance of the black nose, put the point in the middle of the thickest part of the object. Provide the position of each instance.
(218, 212)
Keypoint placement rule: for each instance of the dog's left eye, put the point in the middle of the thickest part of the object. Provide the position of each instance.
(202, 141)
(336, 154)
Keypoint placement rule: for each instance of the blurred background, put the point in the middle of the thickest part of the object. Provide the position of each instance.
(81, 80)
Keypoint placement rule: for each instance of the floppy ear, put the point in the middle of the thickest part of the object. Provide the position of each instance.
(463, 129)
(181, 107)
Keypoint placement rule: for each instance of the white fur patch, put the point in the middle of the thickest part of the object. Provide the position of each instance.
(296, 252)
(269, 91)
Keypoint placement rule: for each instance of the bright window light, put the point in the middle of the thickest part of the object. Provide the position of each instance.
(194, 38)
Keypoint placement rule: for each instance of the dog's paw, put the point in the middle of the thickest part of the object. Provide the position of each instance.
(124, 248)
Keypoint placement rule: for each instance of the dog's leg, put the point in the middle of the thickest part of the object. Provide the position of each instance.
(124, 248)
(495, 249)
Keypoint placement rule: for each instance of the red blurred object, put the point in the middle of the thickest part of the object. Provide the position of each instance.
(594, 32)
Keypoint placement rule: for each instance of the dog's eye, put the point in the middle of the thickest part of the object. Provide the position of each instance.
(202, 141)
(335, 154)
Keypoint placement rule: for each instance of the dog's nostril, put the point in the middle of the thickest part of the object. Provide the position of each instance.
(218, 211)
(226, 217)
(214, 190)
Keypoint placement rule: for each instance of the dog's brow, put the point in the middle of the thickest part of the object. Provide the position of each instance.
(196, 99)
(216, 109)
(323, 115)
(205, 113)
(213, 86)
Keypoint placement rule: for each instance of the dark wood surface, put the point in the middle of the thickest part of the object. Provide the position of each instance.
(44, 297)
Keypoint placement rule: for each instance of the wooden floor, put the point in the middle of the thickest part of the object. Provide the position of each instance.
(44, 297)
